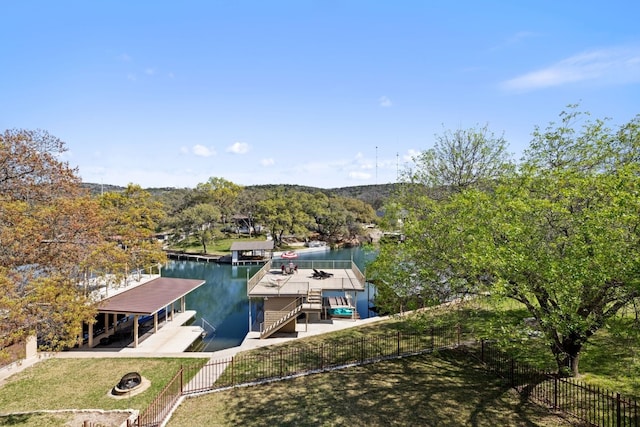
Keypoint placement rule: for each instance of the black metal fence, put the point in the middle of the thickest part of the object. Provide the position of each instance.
(282, 363)
(162, 405)
(592, 405)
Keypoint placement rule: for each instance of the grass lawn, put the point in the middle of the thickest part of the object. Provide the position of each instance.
(431, 390)
(426, 390)
(217, 247)
(85, 383)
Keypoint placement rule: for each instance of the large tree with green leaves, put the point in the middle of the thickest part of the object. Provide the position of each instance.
(561, 236)
(132, 218)
(55, 237)
(460, 159)
(221, 193)
(283, 211)
(198, 221)
(48, 229)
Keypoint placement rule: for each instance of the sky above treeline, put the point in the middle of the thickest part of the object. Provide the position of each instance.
(324, 93)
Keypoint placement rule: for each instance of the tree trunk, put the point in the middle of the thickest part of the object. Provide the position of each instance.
(567, 358)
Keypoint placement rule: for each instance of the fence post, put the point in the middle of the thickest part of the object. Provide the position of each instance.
(362, 350)
(233, 372)
(555, 392)
(281, 371)
(433, 340)
(618, 412)
(322, 356)
(398, 351)
(512, 373)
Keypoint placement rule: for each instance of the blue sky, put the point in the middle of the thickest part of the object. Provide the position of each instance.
(326, 93)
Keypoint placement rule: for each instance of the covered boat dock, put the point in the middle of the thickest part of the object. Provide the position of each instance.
(125, 312)
(252, 252)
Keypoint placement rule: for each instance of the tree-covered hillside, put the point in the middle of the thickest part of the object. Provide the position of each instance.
(374, 195)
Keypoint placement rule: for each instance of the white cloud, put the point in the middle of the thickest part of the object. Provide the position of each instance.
(132, 77)
(202, 151)
(362, 162)
(360, 176)
(238, 148)
(606, 66)
(267, 162)
(150, 71)
(184, 150)
(124, 57)
(384, 101)
(410, 155)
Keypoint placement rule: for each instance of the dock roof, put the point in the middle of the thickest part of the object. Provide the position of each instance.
(149, 297)
(252, 246)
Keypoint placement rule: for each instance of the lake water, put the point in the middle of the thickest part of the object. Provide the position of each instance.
(223, 303)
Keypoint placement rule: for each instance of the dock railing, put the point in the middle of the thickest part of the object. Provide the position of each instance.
(310, 265)
(255, 279)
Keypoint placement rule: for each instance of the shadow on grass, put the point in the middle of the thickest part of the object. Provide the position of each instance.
(443, 390)
(15, 420)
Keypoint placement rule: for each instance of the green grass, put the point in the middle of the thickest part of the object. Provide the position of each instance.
(217, 247)
(85, 383)
(430, 390)
(384, 390)
(99, 419)
(611, 360)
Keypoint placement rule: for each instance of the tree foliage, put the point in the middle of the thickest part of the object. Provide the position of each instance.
(198, 221)
(282, 211)
(561, 236)
(220, 192)
(54, 237)
(48, 228)
(460, 159)
(132, 218)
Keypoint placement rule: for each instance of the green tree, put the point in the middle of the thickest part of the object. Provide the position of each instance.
(460, 159)
(132, 220)
(198, 221)
(562, 236)
(283, 212)
(48, 228)
(220, 192)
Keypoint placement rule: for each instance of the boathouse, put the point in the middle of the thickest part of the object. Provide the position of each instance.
(324, 289)
(124, 317)
(253, 252)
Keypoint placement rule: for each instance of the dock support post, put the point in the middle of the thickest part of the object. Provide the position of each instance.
(135, 331)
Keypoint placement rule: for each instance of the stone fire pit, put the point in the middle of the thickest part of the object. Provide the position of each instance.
(130, 382)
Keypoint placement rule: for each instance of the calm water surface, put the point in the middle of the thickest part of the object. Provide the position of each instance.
(222, 301)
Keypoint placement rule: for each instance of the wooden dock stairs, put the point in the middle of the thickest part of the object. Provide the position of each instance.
(276, 320)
